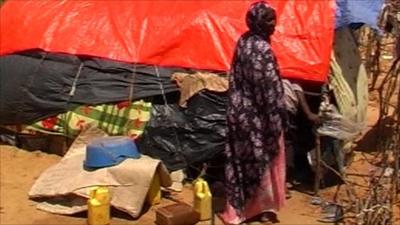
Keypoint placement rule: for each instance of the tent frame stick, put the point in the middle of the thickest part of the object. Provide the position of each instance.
(317, 179)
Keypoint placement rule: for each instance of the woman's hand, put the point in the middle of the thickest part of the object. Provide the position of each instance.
(314, 118)
(306, 109)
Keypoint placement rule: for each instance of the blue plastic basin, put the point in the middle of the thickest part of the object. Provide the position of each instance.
(110, 151)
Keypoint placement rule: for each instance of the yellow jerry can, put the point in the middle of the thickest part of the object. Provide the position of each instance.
(202, 199)
(154, 194)
(99, 206)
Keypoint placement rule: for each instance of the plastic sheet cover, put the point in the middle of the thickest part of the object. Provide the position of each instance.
(193, 34)
(183, 137)
(36, 85)
(352, 11)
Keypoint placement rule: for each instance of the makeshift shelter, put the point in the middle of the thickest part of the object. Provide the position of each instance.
(86, 53)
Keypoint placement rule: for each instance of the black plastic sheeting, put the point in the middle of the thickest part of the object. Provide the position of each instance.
(181, 137)
(36, 84)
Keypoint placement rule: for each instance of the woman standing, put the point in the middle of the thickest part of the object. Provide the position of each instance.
(255, 169)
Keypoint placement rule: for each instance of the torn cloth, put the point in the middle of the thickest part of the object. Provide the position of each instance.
(190, 84)
(290, 97)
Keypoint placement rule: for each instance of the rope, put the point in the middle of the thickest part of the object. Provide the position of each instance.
(161, 87)
(132, 83)
(179, 145)
(130, 95)
(74, 83)
(37, 69)
(71, 94)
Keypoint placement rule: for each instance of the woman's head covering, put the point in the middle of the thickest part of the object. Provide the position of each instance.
(261, 19)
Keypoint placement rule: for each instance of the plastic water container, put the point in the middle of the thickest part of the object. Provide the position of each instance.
(202, 199)
(154, 194)
(99, 206)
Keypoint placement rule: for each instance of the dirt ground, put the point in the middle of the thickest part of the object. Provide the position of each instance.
(20, 169)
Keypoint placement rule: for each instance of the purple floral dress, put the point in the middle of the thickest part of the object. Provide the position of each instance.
(255, 118)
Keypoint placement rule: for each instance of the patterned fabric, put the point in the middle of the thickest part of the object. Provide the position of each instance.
(256, 109)
(115, 119)
(269, 196)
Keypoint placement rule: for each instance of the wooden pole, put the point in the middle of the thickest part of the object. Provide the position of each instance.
(317, 179)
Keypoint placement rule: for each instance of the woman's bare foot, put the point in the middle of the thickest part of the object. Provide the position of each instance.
(269, 218)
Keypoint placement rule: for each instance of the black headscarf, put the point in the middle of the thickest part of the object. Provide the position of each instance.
(261, 19)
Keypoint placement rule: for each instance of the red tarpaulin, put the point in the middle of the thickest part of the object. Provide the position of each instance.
(195, 34)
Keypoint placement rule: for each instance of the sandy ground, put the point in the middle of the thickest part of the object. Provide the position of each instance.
(20, 169)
